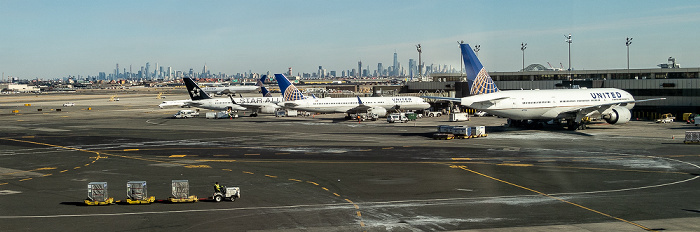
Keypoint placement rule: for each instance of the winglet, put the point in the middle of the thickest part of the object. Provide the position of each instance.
(193, 89)
(479, 80)
(360, 101)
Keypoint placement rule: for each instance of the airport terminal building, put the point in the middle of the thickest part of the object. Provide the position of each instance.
(680, 86)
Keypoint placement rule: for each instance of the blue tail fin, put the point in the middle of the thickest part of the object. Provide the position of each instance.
(479, 80)
(193, 89)
(289, 91)
(261, 83)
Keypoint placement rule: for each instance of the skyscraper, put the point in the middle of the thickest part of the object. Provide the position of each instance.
(148, 68)
(380, 68)
(359, 67)
(411, 68)
(396, 65)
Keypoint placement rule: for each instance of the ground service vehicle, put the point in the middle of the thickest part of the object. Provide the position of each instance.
(666, 118)
(397, 118)
(186, 114)
(230, 193)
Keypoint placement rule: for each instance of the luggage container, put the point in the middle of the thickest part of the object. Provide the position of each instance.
(479, 131)
(444, 128)
(136, 193)
(692, 137)
(181, 192)
(97, 194)
(462, 132)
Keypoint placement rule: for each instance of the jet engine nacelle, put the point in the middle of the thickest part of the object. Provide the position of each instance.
(268, 109)
(380, 111)
(618, 114)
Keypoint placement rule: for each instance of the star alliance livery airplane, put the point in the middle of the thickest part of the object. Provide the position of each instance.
(294, 99)
(523, 107)
(200, 99)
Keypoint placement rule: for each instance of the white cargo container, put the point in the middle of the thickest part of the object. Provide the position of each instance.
(180, 188)
(479, 131)
(97, 191)
(456, 117)
(136, 190)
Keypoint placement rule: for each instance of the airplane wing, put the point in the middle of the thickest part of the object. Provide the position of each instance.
(471, 99)
(443, 98)
(603, 107)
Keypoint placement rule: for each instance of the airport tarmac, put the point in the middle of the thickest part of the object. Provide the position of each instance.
(324, 173)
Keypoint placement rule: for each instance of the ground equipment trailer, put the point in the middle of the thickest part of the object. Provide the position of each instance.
(97, 194)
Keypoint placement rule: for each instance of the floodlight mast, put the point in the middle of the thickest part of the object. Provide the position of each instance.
(629, 41)
(420, 63)
(523, 46)
(568, 40)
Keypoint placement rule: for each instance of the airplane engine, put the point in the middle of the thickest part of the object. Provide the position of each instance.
(617, 115)
(380, 111)
(268, 109)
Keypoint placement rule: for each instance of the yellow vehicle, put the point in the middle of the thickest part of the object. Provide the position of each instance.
(666, 118)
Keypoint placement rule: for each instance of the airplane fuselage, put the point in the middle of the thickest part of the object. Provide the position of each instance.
(226, 103)
(342, 105)
(231, 89)
(546, 104)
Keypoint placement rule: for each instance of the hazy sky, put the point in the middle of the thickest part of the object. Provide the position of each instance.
(49, 39)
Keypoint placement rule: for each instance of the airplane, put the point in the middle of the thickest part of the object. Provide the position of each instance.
(220, 90)
(534, 107)
(294, 99)
(178, 103)
(200, 99)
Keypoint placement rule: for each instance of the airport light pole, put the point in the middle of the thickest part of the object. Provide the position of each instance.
(568, 40)
(629, 41)
(523, 46)
(420, 64)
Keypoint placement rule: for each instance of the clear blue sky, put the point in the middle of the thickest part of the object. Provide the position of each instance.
(49, 39)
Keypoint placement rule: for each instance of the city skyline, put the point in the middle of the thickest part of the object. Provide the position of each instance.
(45, 39)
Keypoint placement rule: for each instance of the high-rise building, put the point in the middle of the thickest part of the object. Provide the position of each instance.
(396, 65)
(411, 68)
(359, 68)
(116, 72)
(148, 68)
(380, 68)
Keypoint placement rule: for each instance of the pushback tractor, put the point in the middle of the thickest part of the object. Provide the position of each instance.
(227, 193)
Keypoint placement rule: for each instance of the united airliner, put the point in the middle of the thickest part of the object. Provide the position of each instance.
(294, 99)
(523, 107)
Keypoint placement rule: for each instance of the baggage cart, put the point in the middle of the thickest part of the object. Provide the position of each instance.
(136, 193)
(97, 194)
(181, 192)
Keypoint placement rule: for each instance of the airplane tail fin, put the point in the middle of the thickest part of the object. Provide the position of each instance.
(193, 89)
(479, 80)
(261, 83)
(289, 91)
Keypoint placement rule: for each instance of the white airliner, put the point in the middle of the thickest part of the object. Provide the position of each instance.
(219, 90)
(523, 107)
(200, 99)
(178, 103)
(294, 99)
